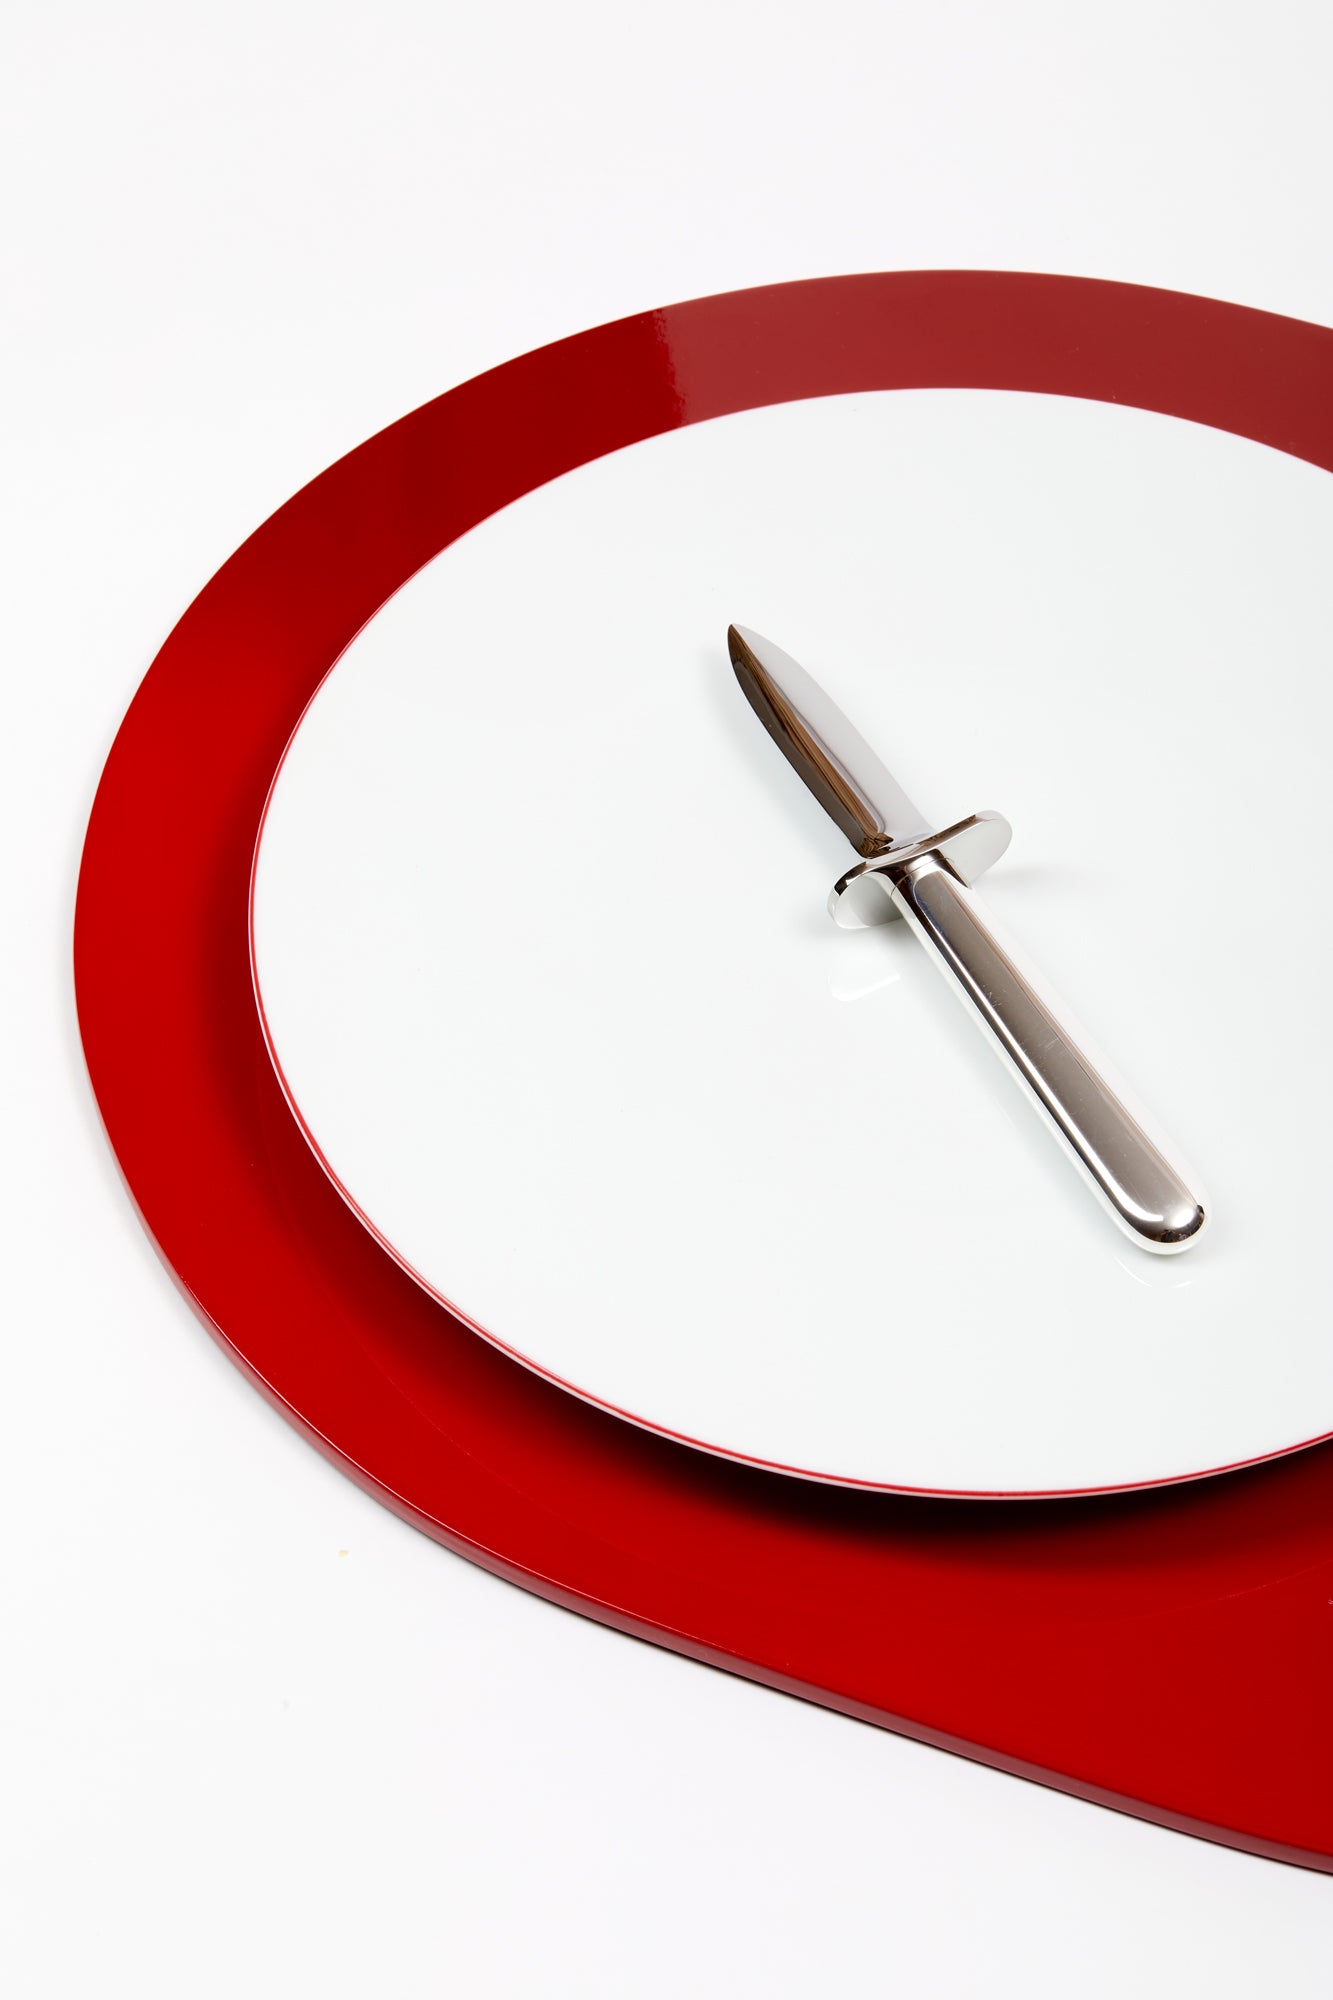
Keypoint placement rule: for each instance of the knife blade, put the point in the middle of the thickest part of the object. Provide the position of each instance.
(925, 876)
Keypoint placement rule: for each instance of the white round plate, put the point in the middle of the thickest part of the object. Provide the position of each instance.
(540, 938)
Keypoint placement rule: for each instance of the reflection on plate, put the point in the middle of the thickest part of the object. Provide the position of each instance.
(539, 934)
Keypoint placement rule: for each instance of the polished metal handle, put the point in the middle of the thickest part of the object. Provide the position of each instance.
(1147, 1195)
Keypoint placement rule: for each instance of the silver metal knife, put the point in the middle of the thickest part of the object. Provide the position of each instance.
(912, 870)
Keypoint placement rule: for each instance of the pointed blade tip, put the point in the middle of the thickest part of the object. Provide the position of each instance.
(831, 757)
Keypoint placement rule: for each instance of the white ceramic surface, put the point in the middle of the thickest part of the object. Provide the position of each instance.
(540, 938)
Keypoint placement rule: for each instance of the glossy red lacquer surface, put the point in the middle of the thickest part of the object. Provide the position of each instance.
(1168, 1652)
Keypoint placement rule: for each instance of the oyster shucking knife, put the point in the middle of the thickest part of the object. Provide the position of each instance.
(910, 870)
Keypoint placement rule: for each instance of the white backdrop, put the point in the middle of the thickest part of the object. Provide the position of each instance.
(259, 1735)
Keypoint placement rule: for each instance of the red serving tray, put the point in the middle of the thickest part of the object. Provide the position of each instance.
(1169, 1653)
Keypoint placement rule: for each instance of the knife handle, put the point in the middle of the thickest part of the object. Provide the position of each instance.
(1088, 1109)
